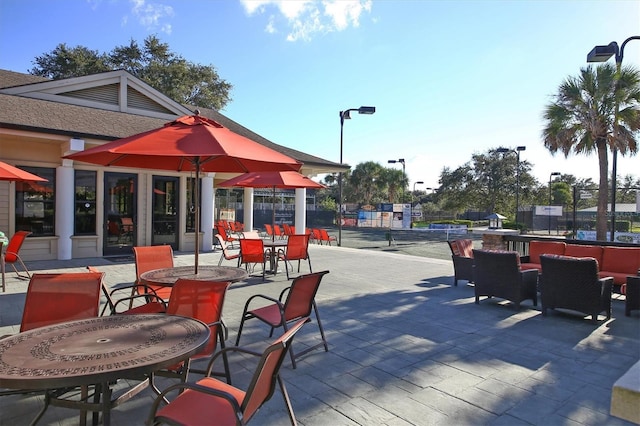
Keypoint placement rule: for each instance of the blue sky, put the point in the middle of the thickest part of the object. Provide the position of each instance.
(448, 78)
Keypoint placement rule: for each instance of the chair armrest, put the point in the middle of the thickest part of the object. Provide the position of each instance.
(525, 259)
(529, 275)
(606, 284)
(262, 296)
(148, 297)
(196, 388)
(225, 351)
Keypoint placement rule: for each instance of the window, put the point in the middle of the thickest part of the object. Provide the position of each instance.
(191, 210)
(35, 203)
(85, 203)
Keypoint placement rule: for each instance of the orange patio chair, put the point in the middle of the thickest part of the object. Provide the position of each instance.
(56, 298)
(11, 255)
(324, 236)
(202, 300)
(252, 252)
(277, 231)
(225, 235)
(226, 253)
(286, 229)
(148, 258)
(316, 236)
(300, 300)
(268, 229)
(297, 249)
(153, 303)
(211, 401)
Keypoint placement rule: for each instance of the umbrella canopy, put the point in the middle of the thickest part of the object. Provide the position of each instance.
(189, 143)
(8, 172)
(281, 180)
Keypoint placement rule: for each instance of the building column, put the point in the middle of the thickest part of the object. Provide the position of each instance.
(206, 215)
(248, 209)
(301, 210)
(65, 211)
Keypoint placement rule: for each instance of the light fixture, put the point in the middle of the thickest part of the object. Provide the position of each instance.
(344, 115)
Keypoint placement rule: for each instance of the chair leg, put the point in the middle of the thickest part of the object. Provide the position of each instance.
(287, 401)
(324, 340)
(240, 329)
(28, 276)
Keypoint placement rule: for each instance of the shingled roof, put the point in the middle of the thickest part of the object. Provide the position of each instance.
(48, 112)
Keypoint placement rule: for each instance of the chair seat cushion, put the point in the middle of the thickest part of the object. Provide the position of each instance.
(198, 408)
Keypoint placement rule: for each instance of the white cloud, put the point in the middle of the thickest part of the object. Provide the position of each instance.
(152, 15)
(304, 18)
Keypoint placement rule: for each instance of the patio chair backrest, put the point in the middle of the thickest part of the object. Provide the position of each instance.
(56, 298)
(202, 300)
(264, 379)
(302, 293)
(14, 245)
(297, 247)
(148, 258)
(268, 229)
(277, 231)
(251, 251)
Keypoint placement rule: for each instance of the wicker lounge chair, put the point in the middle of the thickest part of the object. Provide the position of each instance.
(498, 273)
(573, 283)
(462, 256)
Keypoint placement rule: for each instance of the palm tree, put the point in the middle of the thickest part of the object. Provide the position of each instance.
(582, 119)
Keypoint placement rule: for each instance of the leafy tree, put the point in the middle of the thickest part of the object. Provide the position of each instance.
(154, 63)
(582, 116)
(366, 182)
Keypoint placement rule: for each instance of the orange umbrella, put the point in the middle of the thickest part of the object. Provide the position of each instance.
(189, 143)
(8, 172)
(282, 180)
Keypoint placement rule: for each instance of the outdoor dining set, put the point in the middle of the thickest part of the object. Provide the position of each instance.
(80, 339)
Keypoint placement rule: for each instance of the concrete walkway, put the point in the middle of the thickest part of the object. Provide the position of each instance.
(406, 347)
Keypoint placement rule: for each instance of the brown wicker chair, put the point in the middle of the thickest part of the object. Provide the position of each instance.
(497, 273)
(461, 254)
(631, 290)
(572, 283)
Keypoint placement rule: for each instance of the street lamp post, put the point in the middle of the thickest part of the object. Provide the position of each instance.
(517, 151)
(414, 190)
(344, 115)
(602, 54)
(404, 174)
(549, 206)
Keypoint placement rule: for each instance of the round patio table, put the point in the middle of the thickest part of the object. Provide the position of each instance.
(168, 276)
(97, 351)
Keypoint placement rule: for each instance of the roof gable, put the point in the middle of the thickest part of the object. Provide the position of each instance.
(113, 91)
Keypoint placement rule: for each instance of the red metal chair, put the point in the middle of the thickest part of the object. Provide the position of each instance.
(300, 300)
(225, 236)
(226, 254)
(277, 231)
(316, 236)
(252, 252)
(210, 401)
(11, 255)
(297, 249)
(153, 303)
(149, 258)
(287, 229)
(324, 236)
(202, 300)
(56, 298)
(268, 229)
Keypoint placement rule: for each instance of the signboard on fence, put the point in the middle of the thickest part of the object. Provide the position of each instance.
(548, 211)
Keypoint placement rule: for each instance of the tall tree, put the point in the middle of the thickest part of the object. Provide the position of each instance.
(581, 120)
(154, 63)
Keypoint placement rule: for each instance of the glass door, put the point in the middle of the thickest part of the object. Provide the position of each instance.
(119, 213)
(165, 211)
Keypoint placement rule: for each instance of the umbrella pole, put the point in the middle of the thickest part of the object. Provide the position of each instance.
(197, 213)
(273, 215)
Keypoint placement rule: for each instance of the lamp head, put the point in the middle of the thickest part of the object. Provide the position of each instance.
(345, 115)
(521, 148)
(401, 161)
(392, 161)
(366, 110)
(418, 182)
(603, 53)
(502, 150)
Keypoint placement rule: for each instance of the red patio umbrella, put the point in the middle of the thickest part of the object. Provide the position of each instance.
(11, 173)
(282, 180)
(189, 143)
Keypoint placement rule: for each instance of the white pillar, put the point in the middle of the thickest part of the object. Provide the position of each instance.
(65, 209)
(206, 215)
(301, 210)
(248, 209)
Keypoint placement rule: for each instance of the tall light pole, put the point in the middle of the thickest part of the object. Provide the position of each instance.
(404, 174)
(414, 190)
(602, 54)
(344, 115)
(549, 206)
(517, 151)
